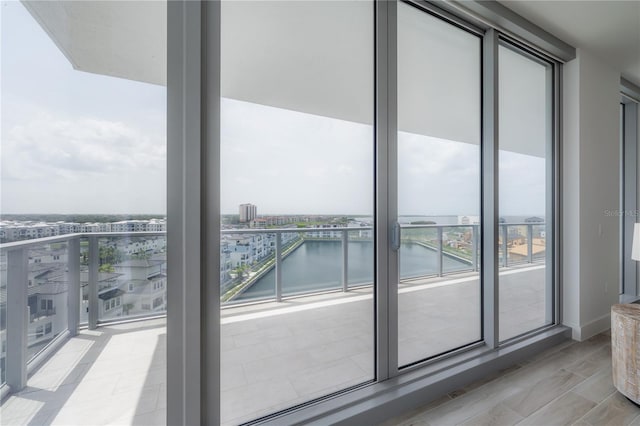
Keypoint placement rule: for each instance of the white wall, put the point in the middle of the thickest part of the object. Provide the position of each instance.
(590, 184)
(571, 196)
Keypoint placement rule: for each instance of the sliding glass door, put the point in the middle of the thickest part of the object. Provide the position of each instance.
(525, 242)
(357, 201)
(439, 113)
(297, 193)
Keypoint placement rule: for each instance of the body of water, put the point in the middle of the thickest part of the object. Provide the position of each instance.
(317, 265)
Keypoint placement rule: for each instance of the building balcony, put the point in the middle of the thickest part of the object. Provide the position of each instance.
(42, 314)
(277, 352)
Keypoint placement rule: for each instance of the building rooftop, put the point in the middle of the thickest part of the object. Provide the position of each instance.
(51, 287)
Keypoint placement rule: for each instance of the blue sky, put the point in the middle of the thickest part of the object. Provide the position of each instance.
(75, 142)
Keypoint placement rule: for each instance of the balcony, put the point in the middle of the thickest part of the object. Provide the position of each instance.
(113, 375)
(34, 317)
(96, 366)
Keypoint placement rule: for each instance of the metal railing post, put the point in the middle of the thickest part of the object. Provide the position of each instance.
(474, 247)
(505, 234)
(73, 289)
(439, 252)
(94, 264)
(530, 243)
(17, 318)
(278, 267)
(345, 260)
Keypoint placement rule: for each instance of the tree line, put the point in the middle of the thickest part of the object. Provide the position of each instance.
(80, 218)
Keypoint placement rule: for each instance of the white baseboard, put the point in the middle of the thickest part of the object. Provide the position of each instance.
(592, 328)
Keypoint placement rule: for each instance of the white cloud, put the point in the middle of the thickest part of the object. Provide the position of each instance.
(56, 165)
(346, 170)
(71, 141)
(424, 155)
(297, 163)
(437, 176)
(47, 147)
(316, 172)
(522, 184)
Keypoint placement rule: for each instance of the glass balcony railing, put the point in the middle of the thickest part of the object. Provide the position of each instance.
(131, 276)
(450, 249)
(521, 243)
(3, 316)
(51, 286)
(292, 261)
(262, 264)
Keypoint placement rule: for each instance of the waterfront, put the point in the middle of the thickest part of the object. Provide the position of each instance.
(316, 265)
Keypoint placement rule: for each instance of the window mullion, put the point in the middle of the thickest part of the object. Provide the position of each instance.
(386, 190)
(489, 220)
(552, 167)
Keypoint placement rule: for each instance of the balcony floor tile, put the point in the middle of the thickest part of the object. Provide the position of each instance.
(98, 377)
(276, 355)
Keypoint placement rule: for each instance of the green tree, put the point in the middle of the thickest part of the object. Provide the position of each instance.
(141, 255)
(110, 255)
(242, 271)
(107, 267)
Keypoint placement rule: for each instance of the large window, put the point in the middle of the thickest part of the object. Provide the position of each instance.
(297, 196)
(299, 156)
(350, 160)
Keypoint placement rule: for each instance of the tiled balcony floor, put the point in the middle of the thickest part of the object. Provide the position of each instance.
(274, 355)
(112, 375)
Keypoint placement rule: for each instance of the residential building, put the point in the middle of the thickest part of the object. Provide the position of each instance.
(247, 212)
(109, 293)
(24, 230)
(140, 245)
(142, 286)
(47, 309)
(129, 226)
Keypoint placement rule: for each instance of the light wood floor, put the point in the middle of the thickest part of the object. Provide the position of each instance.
(567, 385)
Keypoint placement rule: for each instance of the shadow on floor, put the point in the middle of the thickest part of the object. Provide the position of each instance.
(40, 404)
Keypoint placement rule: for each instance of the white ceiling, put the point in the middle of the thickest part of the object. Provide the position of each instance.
(126, 39)
(323, 72)
(92, 34)
(608, 29)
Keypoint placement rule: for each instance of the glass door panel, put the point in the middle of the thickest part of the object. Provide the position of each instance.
(296, 203)
(526, 300)
(439, 113)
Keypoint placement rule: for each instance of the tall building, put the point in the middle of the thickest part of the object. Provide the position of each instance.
(248, 212)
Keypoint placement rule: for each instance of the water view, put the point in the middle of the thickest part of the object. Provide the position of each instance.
(317, 265)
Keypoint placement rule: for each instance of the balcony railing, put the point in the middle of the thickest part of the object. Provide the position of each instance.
(83, 254)
(432, 237)
(276, 260)
(65, 286)
(41, 314)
